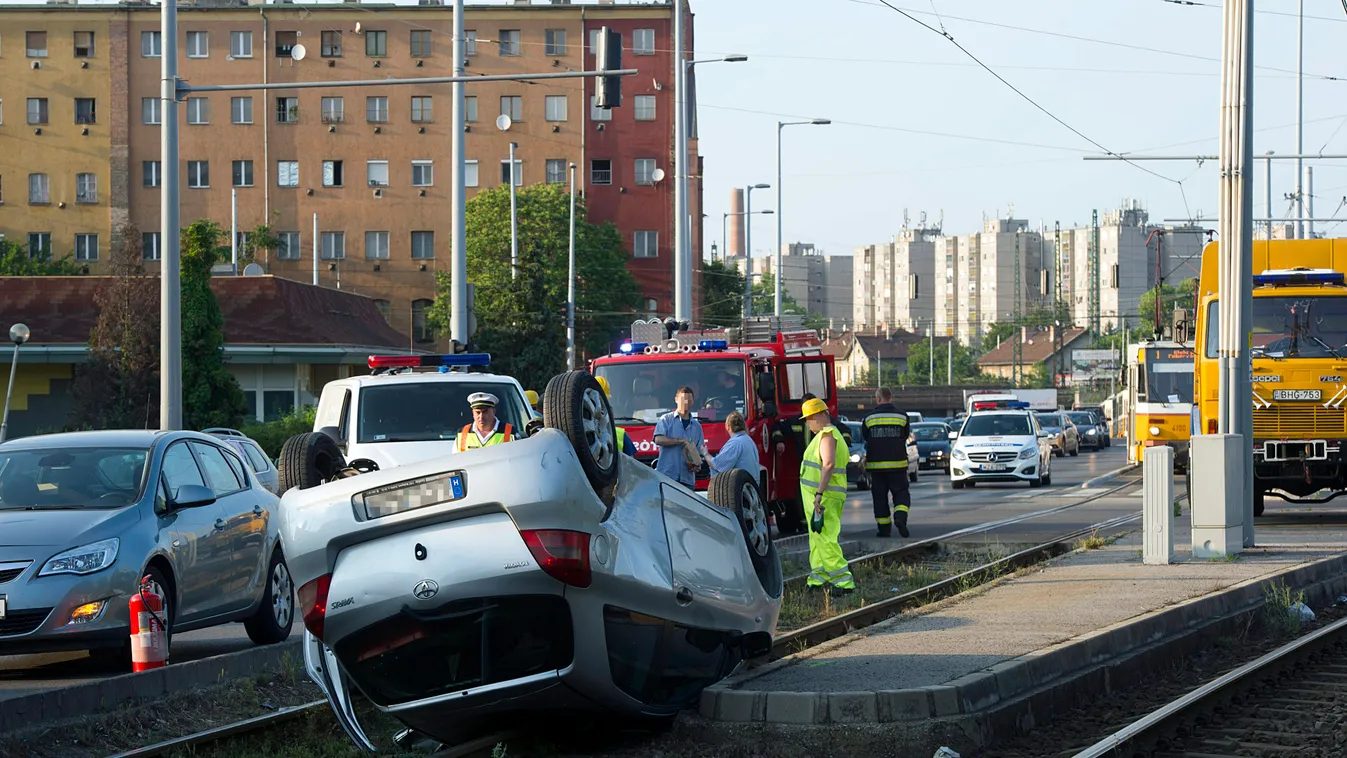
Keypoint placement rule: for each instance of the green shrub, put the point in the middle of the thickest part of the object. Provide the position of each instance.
(273, 434)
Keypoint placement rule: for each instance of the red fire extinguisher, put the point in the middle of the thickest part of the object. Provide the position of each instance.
(149, 635)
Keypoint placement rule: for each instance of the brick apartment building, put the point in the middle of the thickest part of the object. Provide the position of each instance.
(81, 138)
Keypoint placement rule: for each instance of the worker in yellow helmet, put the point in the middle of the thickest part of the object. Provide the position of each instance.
(532, 397)
(623, 441)
(823, 492)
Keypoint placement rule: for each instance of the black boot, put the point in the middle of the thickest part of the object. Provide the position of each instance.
(885, 530)
(900, 518)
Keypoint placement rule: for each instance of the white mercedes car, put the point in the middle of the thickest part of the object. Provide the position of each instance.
(551, 574)
(1003, 445)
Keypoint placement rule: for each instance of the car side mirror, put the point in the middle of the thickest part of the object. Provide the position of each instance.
(335, 434)
(1042, 434)
(533, 426)
(193, 496)
(954, 435)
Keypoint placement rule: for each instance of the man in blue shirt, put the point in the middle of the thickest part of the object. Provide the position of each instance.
(679, 438)
(739, 451)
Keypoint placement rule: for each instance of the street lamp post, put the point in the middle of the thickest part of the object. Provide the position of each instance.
(570, 286)
(779, 126)
(19, 333)
(748, 247)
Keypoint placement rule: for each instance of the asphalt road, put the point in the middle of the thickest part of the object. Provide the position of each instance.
(937, 509)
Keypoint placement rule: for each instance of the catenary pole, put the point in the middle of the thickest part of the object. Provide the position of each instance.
(170, 290)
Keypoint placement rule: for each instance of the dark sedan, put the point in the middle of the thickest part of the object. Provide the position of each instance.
(932, 445)
(1093, 432)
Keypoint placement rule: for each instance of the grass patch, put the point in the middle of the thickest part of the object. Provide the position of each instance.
(1278, 617)
(1093, 542)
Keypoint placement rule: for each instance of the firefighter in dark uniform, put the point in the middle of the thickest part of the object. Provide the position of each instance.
(886, 432)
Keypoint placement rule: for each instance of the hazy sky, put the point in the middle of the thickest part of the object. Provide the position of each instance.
(890, 86)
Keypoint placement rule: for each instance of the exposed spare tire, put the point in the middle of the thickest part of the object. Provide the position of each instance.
(308, 460)
(574, 404)
(736, 492)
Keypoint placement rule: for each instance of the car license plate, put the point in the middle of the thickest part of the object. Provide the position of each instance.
(2, 607)
(993, 467)
(1297, 394)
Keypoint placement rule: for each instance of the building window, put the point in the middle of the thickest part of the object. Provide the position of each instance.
(470, 108)
(512, 106)
(421, 331)
(285, 43)
(86, 247)
(39, 189)
(198, 44)
(287, 246)
(554, 42)
(376, 246)
(421, 43)
(645, 107)
(331, 47)
(39, 245)
(423, 174)
(645, 244)
(198, 110)
(287, 110)
(518, 173)
(332, 174)
(376, 110)
(509, 41)
(470, 173)
(470, 42)
(423, 245)
(643, 42)
(287, 173)
(86, 188)
(241, 110)
(645, 170)
(150, 111)
(376, 44)
(150, 173)
(596, 113)
(421, 110)
(376, 173)
(601, 172)
(334, 109)
(37, 44)
(334, 246)
(37, 110)
(85, 111)
(151, 45)
(84, 44)
(385, 309)
(149, 246)
(241, 44)
(198, 174)
(555, 108)
(243, 173)
(556, 171)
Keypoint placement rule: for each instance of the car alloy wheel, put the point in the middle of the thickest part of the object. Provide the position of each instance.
(282, 596)
(598, 428)
(755, 521)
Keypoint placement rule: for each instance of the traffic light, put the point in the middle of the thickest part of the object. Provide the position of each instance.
(608, 54)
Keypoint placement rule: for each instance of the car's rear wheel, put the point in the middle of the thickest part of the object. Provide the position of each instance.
(574, 404)
(308, 460)
(735, 491)
(271, 622)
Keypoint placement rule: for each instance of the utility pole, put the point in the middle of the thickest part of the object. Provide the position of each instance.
(682, 258)
(170, 290)
(1017, 345)
(1300, 122)
(1093, 284)
(570, 286)
(458, 266)
(1309, 201)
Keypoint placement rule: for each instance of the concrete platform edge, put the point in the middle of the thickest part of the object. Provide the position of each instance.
(1045, 679)
(43, 708)
(1110, 476)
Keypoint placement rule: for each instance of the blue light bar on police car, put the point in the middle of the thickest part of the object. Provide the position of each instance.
(1016, 404)
(1298, 276)
(713, 345)
(423, 361)
(632, 348)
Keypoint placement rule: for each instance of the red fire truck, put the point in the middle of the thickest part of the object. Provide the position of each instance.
(759, 369)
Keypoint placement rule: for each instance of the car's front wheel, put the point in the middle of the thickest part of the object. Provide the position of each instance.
(308, 460)
(575, 404)
(271, 622)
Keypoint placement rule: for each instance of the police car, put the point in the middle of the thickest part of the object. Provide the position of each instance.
(409, 408)
(1000, 442)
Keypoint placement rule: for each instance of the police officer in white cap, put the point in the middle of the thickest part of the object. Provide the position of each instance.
(485, 430)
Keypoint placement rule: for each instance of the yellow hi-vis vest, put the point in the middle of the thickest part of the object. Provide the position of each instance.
(621, 438)
(468, 439)
(812, 467)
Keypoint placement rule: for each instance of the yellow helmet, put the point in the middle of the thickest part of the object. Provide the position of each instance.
(812, 406)
(532, 397)
(603, 382)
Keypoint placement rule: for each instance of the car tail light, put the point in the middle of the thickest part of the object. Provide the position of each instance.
(564, 555)
(313, 604)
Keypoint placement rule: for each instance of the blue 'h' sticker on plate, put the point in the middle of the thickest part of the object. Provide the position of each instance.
(456, 482)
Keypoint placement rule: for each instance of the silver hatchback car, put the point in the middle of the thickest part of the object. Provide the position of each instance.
(84, 516)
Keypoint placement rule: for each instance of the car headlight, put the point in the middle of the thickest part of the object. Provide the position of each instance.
(855, 457)
(1091, 431)
(959, 455)
(1028, 452)
(87, 559)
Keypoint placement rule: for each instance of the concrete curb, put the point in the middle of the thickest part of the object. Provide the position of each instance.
(1110, 476)
(1057, 673)
(116, 692)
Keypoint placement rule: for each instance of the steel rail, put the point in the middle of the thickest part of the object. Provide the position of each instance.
(246, 726)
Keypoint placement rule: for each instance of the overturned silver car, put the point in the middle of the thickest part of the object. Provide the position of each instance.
(548, 574)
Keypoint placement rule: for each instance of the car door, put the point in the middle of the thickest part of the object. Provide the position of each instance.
(244, 532)
(191, 535)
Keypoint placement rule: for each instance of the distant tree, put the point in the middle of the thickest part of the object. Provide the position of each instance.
(15, 260)
(966, 369)
(118, 388)
(211, 395)
(1180, 296)
(722, 294)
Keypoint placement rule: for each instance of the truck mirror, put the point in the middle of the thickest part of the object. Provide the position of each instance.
(334, 433)
(769, 409)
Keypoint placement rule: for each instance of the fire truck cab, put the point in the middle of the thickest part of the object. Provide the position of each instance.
(760, 370)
